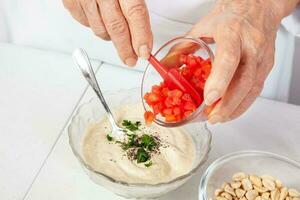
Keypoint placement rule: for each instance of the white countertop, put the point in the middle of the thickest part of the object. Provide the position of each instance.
(40, 90)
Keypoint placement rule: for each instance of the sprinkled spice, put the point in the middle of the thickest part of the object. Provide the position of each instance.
(138, 147)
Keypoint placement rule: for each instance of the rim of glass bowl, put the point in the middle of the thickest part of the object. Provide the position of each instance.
(81, 160)
(217, 163)
(201, 108)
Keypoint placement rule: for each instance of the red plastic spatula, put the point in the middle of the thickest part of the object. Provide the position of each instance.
(172, 76)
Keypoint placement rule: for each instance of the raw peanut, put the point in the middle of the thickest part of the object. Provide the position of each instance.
(278, 184)
(268, 183)
(255, 180)
(293, 193)
(240, 193)
(260, 189)
(247, 185)
(288, 198)
(224, 185)
(265, 195)
(239, 176)
(251, 194)
(218, 192)
(235, 198)
(275, 194)
(221, 198)
(258, 198)
(296, 198)
(243, 198)
(229, 190)
(236, 184)
(283, 193)
(267, 177)
(226, 195)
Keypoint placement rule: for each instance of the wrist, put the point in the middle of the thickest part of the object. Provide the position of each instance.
(281, 8)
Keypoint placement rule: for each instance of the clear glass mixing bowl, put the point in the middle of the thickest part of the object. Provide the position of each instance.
(173, 48)
(93, 111)
(251, 162)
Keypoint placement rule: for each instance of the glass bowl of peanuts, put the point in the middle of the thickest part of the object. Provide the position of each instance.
(251, 175)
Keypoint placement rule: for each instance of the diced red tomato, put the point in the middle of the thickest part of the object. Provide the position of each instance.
(149, 117)
(170, 118)
(187, 113)
(167, 111)
(152, 98)
(157, 108)
(190, 106)
(176, 111)
(156, 89)
(187, 97)
(172, 103)
(175, 93)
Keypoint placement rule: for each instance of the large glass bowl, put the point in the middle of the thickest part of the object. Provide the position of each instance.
(251, 162)
(172, 49)
(93, 111)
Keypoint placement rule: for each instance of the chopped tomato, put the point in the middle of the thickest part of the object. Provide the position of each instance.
(170, 118)
(172, 103)
(167, 111)
(149, 117)
(176, 111)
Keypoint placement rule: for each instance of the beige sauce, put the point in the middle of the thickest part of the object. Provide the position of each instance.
(176, 157)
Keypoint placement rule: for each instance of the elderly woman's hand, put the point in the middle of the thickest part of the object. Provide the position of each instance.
(244, 33)
(125, 22)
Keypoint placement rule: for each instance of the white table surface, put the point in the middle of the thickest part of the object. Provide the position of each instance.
(40, 91)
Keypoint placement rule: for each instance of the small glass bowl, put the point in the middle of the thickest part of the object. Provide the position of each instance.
(175, 47)
(93, 111)
(251, 162)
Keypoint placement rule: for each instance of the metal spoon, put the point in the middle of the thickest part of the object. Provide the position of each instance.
(82, 60)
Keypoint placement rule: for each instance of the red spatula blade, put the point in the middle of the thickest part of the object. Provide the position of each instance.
(173, 76)
(176, 78)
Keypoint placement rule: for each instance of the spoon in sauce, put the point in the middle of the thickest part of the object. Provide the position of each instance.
(82, 60)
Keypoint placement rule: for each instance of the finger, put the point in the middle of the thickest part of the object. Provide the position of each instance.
(172, 59)
(76, 11)
(227, 58)
(238, 89)
(136, 14)
(263, 71)
(247, 102)
(118, 30)
(92, 12)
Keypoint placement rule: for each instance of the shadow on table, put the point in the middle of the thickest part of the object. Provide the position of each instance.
(189, 191)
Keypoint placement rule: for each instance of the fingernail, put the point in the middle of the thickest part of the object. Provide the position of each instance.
(130, 62)
(215, 119)
(212, 97)
(144, 52)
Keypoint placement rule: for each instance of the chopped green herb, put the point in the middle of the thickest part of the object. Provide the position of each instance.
(148, 142)
(138, 147)
(142, 155)
(109, 138)
(131, 126)
(148, 164)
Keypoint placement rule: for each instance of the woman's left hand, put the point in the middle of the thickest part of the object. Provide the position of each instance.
(244, 33)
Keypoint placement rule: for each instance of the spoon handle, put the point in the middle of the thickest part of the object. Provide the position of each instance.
(82, 60)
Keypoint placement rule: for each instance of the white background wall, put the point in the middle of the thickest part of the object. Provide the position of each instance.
(47, 25)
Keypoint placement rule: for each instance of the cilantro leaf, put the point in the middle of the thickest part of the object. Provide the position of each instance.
(142, 155)
(148, 164)
(109, 138)
(131, 126)
(148, 142)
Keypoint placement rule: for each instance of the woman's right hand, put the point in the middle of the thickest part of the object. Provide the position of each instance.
(125, 22)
